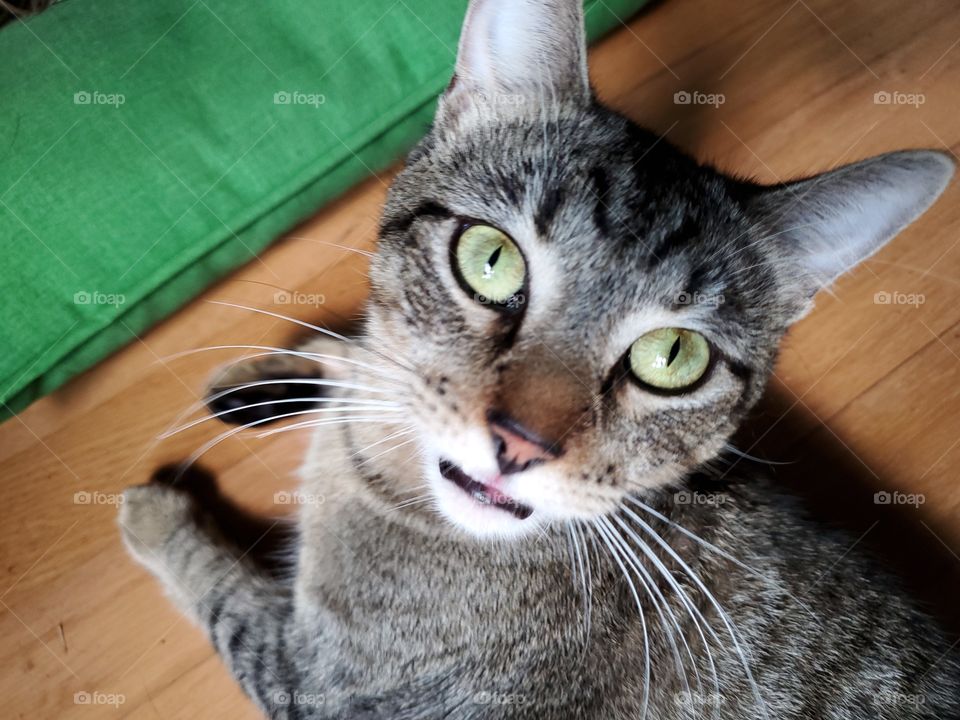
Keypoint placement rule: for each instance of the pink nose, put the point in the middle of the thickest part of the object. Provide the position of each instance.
(517, 447)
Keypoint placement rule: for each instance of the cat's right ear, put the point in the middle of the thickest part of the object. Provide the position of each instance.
(825, 225)
(517, 54)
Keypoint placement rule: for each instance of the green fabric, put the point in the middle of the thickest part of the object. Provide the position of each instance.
(146, 152)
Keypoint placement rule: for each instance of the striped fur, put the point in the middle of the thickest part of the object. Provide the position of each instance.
(617, 596)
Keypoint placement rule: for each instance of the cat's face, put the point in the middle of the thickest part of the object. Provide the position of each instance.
(533, 382)
(587, 312)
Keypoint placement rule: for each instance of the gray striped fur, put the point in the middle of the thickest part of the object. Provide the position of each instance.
(412, 611)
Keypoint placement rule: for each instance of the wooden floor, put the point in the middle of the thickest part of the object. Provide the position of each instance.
(866, 397)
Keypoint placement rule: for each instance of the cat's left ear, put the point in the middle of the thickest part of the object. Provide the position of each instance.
(821, 227)
(514, 53)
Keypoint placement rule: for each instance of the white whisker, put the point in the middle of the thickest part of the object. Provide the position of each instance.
(414, 501)
(737, 451)
(342, 404)
(695, 615)
(306, 355)
(322, 422)
(280, 381)
(230, 433)
(719, 551)
(725, 618)
(643, 621)
(581, 572)
(588, 578)
(322, 331)
(317, 382)
(358, 251)
(398, 433)
(388, 450)
(657, 599)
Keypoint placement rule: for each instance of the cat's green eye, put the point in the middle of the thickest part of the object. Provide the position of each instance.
(490, 264)
(670, 359)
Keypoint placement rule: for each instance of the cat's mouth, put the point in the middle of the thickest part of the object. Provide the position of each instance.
(483, 494)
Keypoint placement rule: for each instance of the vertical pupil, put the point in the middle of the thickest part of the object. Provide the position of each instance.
(674, 351)
(491, 261)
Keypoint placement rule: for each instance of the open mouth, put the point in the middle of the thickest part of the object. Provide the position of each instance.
(483, 494)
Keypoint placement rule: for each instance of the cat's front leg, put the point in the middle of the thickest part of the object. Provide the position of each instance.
(246, 613)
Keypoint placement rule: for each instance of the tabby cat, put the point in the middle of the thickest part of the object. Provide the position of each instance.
(568, 320)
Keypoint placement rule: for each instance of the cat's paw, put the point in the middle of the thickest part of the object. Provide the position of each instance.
(149, 516)
(255, 391)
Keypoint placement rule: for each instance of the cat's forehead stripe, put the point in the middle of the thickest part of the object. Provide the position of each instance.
(553, 197)
(429, 209)
(675, 240)
(601, 185)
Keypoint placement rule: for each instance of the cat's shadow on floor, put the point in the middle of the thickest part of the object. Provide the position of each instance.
(841, 491)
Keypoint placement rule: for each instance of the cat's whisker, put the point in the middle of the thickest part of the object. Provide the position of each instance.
(414, 501)
(540, 529)
(651, 582)
(316, 328)
(358, 251)
(724, 616)
(581, 573)
(416, 454)
(643, 620)
(259, 383)
(204, 402)
(714, 471)
(291, 381)
(587, 578)
(388, 450)
(713, 548)
(659, 603)
(573, 567)
(206, 447)
(415, 488)
(320, 358)
(398, 433)
(695, 615)
(342, 404)
(321, 422)
(745, 456)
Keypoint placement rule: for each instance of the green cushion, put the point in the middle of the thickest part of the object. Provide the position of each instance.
(151, 147)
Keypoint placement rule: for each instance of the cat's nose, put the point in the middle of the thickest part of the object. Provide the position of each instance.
(517, 447)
